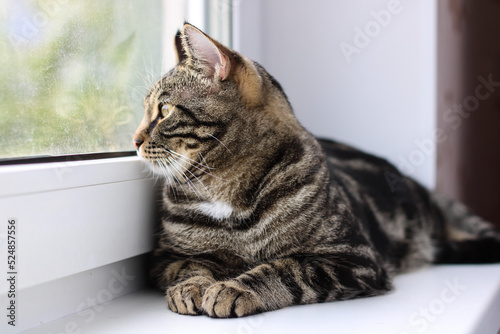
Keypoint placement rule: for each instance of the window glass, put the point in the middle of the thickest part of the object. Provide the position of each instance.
(74, 73)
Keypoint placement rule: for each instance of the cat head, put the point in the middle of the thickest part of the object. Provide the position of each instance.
(213, 109)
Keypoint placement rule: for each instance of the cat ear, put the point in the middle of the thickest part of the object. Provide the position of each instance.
(181, 53)
(207, 53)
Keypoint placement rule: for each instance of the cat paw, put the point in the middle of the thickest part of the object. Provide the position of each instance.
(186, 297)
(229, 300)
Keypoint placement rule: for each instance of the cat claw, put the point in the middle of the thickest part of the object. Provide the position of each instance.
(186, 297)
(228, 300)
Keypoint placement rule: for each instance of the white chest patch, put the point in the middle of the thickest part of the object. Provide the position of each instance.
(218, 210)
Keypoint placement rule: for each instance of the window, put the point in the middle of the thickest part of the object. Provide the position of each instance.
(74, 73)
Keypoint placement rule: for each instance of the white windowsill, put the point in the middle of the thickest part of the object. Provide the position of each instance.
(82, 228)
(440, 299)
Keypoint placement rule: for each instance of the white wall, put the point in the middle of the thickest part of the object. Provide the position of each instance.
(380, 99)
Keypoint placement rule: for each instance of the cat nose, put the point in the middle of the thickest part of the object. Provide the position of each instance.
(138, 143)
(138, 138)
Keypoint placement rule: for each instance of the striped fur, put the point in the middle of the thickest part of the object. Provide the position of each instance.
(260, 215)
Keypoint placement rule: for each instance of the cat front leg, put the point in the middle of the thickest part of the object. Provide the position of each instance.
(186, 297)
(184, 280)
(301, 279)
(230, 299)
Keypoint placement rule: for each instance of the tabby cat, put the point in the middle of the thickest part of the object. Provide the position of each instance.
(260, 215)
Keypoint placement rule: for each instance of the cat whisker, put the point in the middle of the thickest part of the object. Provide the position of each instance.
(175, 165)
(149, 78)
(220, 142)
(162, 71)
(201, 170)
(189, 160)
(194, 176)
(174, 185)
(166, 166)
(203, 159)
(166, 173)
(171, 176)
(152, 174)
(194, 164)
(145, 79)
(136, 89)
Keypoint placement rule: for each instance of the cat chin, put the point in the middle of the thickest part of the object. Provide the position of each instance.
(156, 169)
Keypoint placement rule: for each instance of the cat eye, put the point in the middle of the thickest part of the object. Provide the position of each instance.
(165, 109)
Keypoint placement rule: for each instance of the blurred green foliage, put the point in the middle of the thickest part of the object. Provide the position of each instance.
(72, 74)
